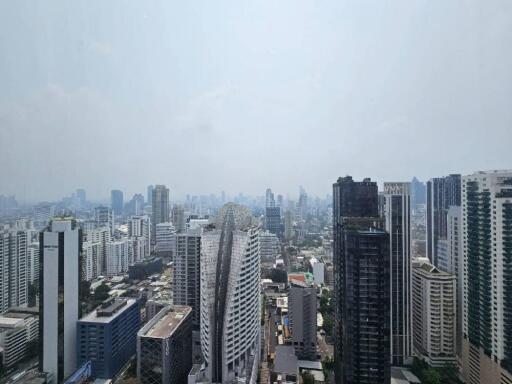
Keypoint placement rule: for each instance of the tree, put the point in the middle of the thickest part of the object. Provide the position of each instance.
(101, 293)
(308, 378)
(431, 376)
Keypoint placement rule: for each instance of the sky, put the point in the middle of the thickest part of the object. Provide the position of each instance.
(205, 96)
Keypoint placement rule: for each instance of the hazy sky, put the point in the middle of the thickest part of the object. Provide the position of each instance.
(207, 96)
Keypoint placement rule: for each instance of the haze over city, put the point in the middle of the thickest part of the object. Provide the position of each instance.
(211, 96)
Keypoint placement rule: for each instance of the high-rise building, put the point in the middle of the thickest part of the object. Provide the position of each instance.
(273, 220)
(269, 246)
(14, 268)
(165, 240)
(442, 192)
(107, 337)
(302, 312)
(33, 262)
(418, 193)
(150, 194)
(91, 260)
(398, 225)
(104, 218)
(160, 208)
(186, 276)
(164, 347)
(487, 266)
(140, 227)
(100, 235)
(116, 202)
(119, 256)
(81, 196)
(434, 317)
(59, 304)
(230, 299)
(361, 258)
(178, 218)
(269, 199)
(288, 224)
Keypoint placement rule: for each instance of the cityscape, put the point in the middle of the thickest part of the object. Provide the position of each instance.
(256, 192)
(404, 284)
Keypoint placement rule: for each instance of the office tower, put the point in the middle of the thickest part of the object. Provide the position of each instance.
(279, 202)
(288, 225)
(418, 193)
(398, 225)
(140, 227)
(108, 336)
(273, 220)
(361, 258)
(160, 208)
(14, 272)
(269, 199)
(81, 196)
(135, 206)
(59, 303)
(434, 317)
(178, 218)
(150, 194)
(116, 202)
(487, 266)
(165, 240)
(18, 330)
(186, 276)
(269, 247)
(302, 317)
(230, 299)
(104, 218)
(382, 205)
(164, 347)
(91, 260)
(442, 192)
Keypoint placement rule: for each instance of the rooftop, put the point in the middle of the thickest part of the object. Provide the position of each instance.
(167, 320)
(108, 313)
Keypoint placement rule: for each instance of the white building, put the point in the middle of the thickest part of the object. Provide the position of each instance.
(119, 256)
(434, 318)
(487, 281)
(92, 260)
(140, 226)
(33, 262)
(100, 235)
(16, 331)
(14, 272)
(59, 307)
(230, 296)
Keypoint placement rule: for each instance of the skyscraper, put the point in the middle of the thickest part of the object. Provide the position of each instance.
(487, 266)
(116, 202)
(140, 228)
(178, 218)
(14, 269)
(302, 315)
(362, 285)
(230, 299)
(273, 221)
(442, 193)
(59, 305)
(150, 194)
(269, 199)
(104, 218)
(398, 225)
(160, 208)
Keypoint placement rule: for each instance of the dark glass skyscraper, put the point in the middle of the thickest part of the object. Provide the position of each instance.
(361, 278)
(442, 192)
(273, 221)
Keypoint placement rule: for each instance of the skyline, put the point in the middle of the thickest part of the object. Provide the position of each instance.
(223, 96)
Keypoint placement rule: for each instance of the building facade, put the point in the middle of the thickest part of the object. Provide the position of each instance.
(108, 337)
(398, 225)
(159, 208)
(302, 310)
(230, 299)
(59, 303)
(487, 282)
(164, 347)
(116, 202)
(442, 192)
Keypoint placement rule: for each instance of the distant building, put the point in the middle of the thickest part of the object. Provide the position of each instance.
(178, 218)
(59, 304)
(150, 194)
(442, 192)
(434, 317)
(140, 227)
(108, 336)
(116, 202)
(273, 220)
(164, 347)
(302, 315)
(165, 240)
(91, 260)
(14, 268)
(104, 218)
(269, 246)
(160, 208)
